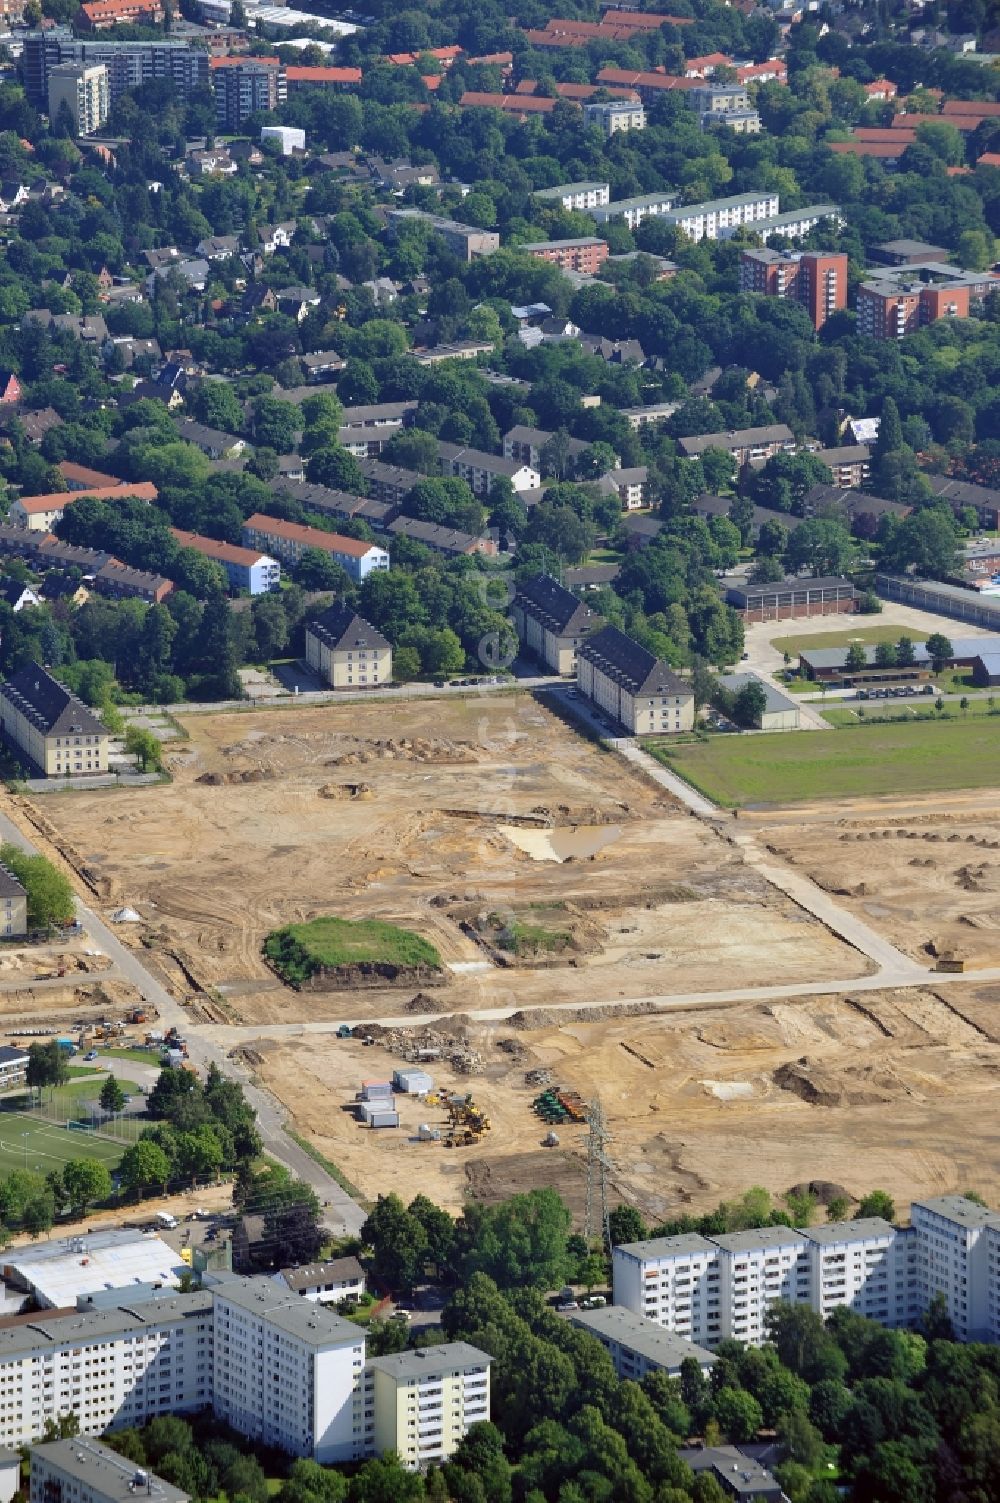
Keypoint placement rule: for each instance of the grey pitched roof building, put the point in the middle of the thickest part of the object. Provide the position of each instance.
(49, 705)
(633, 666)
(556, 607)
(340, 627)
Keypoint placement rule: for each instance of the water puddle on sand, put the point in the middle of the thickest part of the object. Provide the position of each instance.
(566, 843)
(730, 1090)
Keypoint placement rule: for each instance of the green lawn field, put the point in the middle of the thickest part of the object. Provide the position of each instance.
(29, 1140)
(798, 643)
(918, 757)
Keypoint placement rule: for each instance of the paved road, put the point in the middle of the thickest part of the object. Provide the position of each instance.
(344, 1216)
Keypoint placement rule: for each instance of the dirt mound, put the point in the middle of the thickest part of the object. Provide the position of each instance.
(239, 775)
(424, 1002)
(824, 1085)
(405, 749)
(347, 790)
(822, 1190)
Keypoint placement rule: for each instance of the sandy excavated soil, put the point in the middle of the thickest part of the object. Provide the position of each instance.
(278, 816)
(878, 1091)
(925, 872)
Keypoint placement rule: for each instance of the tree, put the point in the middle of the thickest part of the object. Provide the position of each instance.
(112, 1097)
(738, 1413)
(857, 659)
(335, 467)
(518, 1243)
(748, 705)
(885, 655)
(939, 650)
(145, 747)
(890, 432)
(398, 1241)
(47, 1066)
(878, 1203)
(905, 655)
(143, 1166)
(821, 544)
(626, 1225)
(50, 897)
(318, 570)
(85, 1181)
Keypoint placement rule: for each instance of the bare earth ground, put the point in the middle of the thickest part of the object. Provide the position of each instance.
(891, 1090)
(339, 822)
(278, 816)
(925, 872)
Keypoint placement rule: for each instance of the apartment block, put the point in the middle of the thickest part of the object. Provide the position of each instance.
(288, 1373)
(720, 218)
(902, 300)
(613, 115)
(575, 195)
(346, 651)
(586, 255)
(480, 470)
(957, 1255)
(637, 689)
(746, 445)
(464, 240)
(757, 1268)
(816, 280)
(13, 923)
(864, 1264)
(551, 622)
(86, 1471)
(281, 1369)
(425, 1401)
(111, 1367)
(289, 540)
(638, 1346)
(244, 87)
(634, 210)
(795, 223)
(245, 568)
(82, 89)
(673, 1281)
(129, 64)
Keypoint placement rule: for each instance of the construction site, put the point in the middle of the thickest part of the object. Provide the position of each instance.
(486, 822)
(562, 886)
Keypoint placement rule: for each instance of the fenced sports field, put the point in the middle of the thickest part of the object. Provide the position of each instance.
(28, 1140)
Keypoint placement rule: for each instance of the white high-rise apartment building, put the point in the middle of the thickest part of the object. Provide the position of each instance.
(711, 1288)
(289, 1373)
(280, 1369)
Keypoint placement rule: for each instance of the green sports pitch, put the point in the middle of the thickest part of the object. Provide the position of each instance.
(29, 1140)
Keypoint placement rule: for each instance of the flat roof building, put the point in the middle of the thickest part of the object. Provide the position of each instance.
(790, 598)
(639, 1346)
(59, 1273)
(82, 1470)
(427, 1400)
(464, 240)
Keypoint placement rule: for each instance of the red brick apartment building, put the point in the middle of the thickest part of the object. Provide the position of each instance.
(892, 307)
(586, 255)
(813, 278)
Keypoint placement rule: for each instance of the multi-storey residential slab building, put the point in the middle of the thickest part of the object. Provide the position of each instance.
(245, 568)
(899, 301)
(288, 1373)
(85, 1471)
(707, 1289)
(129, 64)
(720, 218)
(289, 540)
(426, 1400)
(480, 470)
(638, 1346)
(585, 255)
(82, 89)
(575, 195)
(816, 280)
(613, 115)
(634, 210)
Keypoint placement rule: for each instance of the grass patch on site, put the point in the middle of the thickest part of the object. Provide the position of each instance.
(841, 715)
(300, 950)
(922, 756)
(150, 1057)
(884, 633)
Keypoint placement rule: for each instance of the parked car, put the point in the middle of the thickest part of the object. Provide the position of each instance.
(90, 1056)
